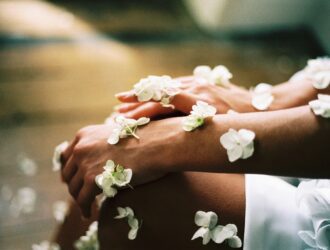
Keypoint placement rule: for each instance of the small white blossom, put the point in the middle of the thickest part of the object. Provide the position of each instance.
(239, 144)
(26, 165)
(23, 202)
(262, 96)
(57, 155)
(125, 127)
(60, 210)
(45, 245)
(319, 71)
(113, 176)
(207, 221)
(90, 240)
(133, 222)
(219, 75)
(321, 106)
(157, 88)
(199, 112)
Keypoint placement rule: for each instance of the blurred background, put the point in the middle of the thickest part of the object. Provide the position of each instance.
(61, 62)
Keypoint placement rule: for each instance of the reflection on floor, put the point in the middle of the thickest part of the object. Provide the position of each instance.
(49, 88)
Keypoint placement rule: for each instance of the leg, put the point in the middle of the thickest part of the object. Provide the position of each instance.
(167, 208)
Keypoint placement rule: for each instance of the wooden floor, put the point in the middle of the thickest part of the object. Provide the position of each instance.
(50, 88)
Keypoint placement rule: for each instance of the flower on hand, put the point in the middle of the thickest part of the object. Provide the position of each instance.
(133, 222)
(113, 176)
(319, 71)
(57, 155)
(239, 144)
(199, 112)
(89, 241)
(219, 75)
(207, 221)
(157, 88)
(262, 96)
(125, 127)
(321, 106)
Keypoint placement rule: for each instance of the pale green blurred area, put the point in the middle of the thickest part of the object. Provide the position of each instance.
(62, 62)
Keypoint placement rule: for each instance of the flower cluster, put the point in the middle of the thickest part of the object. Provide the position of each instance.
(321, 106)
(262, 96)
(219, 75)
(133, 222)
(125, 127)
(45, 245)
(207, 221)
(239, 144)
(199, 112)
(57, 155)
(312, 199)
(157, 88)
(90, 240)
(319, 71)
(113, 176)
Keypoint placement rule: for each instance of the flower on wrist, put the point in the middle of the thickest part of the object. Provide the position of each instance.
(59, 149)
(133, 222)
(219, 75)
(319, 71)
(207, 221)
(125, 127)
(89, 240)
(321, 106)
(239, 144)
(199, 113)
(157, 88)
(113, 176)
(262, 96)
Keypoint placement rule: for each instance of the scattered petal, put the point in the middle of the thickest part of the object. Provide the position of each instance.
(90, 240)
(206, 219)
(57, 155)
(26, 165)
(199, 113)
(220, 75)
(60, 210)
(133, 222)
(321, 106)
(319, 71)
(262, 96)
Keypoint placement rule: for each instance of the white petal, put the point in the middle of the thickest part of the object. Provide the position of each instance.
(232, 227)
(220, 234)
(235, 242)
(121, 213)
(246, 136)
(321, 80)
(60, 209)
(57, 155)
(232, 112)
(308, 237)
(109, 191)
(206, 219)
(248, 151)
(262, 101)
(323, 236)
(142, 121)
(207, 237)
(199, 233)
(324, 98)
(132, 233)
(113, 139)
(202, 71)
(235, 153)
(262, 88)
(230, 139)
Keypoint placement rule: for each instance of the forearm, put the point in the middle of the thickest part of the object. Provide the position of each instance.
(289, 142)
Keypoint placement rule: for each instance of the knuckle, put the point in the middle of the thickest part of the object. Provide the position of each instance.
(89, 179)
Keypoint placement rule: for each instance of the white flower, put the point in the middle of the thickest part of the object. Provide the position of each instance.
(199, 112)
(133, 222)
(45, 245)
(26, 165)
(157, 88)
(23, 202)
(232, 112)
(60, 210)
(313, 201)
(57, 155)
(239, 144)
(321, 106)
(319, 71)
(207, 221)
(262, 96)
(89, 241)
(125, 127)
(113, 176)
(219, 75)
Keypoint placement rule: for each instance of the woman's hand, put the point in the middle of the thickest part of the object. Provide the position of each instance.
(223, 98)
(150, 157)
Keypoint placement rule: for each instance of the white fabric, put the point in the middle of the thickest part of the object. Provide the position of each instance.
(272, 219)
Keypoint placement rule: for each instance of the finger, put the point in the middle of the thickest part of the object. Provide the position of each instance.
(184, 101)
(68, 151)
(127, 96)
(69, 170)
(149, 109)
(76, 184)
(125, 107)
(87, 195)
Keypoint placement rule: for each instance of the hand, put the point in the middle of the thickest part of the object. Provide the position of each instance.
(150, 157)
(223, 98)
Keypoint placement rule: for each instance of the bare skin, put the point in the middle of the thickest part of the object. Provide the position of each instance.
(165, 148)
